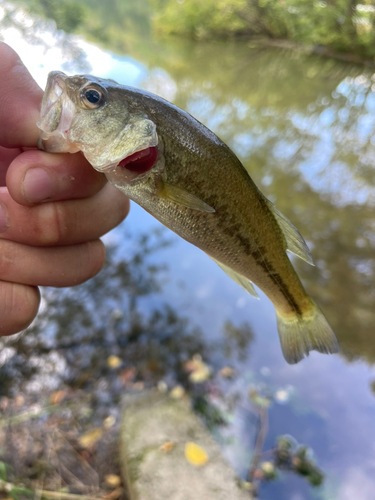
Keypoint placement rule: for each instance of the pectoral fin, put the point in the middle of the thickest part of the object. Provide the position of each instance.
(184, 198)
(294, 241)
(238, 278)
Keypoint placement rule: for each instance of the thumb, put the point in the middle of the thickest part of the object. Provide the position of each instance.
(20, 99)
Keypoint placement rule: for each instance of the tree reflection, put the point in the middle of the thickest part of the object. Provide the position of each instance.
(116, 313)
(237, 340)
(38, 31)
(303, 126)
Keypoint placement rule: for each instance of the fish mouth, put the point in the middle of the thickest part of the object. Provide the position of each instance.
(142, 161)
(56, 116)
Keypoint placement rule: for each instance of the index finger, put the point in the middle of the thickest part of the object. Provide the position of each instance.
(20, 99)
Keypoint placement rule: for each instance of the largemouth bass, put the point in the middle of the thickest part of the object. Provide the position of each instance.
(186, 177)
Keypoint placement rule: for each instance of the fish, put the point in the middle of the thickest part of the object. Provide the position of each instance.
(180, 172)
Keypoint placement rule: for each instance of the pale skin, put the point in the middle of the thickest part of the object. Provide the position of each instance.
(55, 207)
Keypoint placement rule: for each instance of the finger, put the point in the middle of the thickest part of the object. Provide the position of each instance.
(20, 99)
(62, 223)
(58, 266)
(18, 307)
(6, 158)
(35, 176)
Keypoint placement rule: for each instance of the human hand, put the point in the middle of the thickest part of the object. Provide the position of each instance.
(53, 207)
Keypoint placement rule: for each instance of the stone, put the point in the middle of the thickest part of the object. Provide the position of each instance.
(156, 469)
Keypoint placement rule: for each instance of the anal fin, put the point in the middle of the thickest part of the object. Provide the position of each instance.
(245, 283)
(294, 241)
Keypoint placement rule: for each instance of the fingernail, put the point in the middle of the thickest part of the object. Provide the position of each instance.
(37, 185)
(4, 222)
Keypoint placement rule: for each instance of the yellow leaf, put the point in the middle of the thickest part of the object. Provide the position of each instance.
(177, 392)
(199, 371)
(201, 374)
(114, 362)
(196, 455)
(112, 480)
(57, 396)
(245, 485)
(167, 446)
(109, 422)
(90, 438)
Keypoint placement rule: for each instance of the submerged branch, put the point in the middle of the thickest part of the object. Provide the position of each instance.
(258, 449)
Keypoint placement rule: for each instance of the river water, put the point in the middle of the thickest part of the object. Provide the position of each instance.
(303, 127)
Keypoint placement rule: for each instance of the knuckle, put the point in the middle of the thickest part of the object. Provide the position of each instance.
(53, 224)
(91, 260)
(8, 255)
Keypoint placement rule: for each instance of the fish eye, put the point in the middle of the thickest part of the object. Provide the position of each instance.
(92, 97)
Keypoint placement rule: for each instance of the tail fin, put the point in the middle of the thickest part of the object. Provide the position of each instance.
(301, 334)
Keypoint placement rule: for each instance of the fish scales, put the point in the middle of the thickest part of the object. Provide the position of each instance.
(186, 177)
(233, 235)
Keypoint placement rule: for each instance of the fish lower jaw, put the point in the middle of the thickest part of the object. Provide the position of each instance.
(56, 142)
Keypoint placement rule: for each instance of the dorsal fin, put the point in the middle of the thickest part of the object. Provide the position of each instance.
(245, 283)
(294, 241)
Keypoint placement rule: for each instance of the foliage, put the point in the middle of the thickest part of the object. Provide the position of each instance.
(298, 458)
(341, 25)
(67, 14)
(287, 455)
(199, 19)
(117, 24)
(16, 492)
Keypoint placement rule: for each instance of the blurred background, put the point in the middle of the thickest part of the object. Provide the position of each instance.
(290, 87)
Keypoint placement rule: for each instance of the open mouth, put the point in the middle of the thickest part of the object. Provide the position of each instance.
(141, 161)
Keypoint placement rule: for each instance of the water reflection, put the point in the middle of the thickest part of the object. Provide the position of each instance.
(303, 127)
(19, 27)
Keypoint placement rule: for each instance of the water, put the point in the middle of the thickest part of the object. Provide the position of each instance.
(304, 129)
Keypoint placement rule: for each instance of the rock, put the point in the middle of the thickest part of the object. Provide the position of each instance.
(154, 472)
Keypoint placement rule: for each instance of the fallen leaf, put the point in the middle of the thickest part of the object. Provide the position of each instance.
(268, 470)
(226, 372)
(90, 438)
(195, 454)
(167, 446)
(193, 363)
(162, 386)
(258, 400)
(112, 480)
(200, 375)
(200, 371)
(127, 375)
(245, 485)
(177, 392)
(109, 422)
(19, 400)
(57, 396)
(114, 362)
